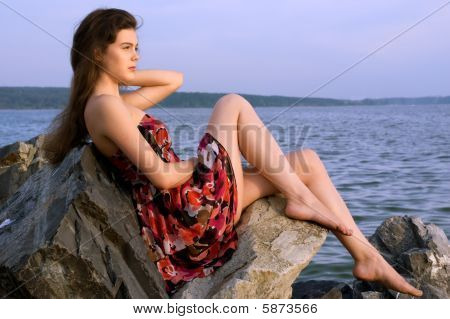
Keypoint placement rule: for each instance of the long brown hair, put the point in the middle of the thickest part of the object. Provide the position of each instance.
(93, 35)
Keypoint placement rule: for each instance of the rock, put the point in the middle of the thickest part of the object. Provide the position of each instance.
(419, 252)
(272, 251)
(71, 231)
(358, 287)
(371, 295)
(321, 289)
(18, 161)
(330, 289)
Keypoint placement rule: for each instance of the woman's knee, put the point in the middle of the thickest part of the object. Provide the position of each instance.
(231, 97)
(308, 161)
(234, 100)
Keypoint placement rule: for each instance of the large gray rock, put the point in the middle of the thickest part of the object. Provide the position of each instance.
(419, 252)
(321, 289)
(71, 231)
(272, 251)
(18, 161)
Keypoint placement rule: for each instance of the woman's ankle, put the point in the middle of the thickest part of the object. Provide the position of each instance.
(370, 254)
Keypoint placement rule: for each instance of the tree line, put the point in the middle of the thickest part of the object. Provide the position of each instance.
(57, 97)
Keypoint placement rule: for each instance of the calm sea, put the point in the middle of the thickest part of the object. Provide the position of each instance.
(384, 160)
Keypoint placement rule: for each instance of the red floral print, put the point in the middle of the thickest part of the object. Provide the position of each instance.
(189, 230)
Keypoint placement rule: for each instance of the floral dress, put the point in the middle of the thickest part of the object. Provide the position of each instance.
(189, 229)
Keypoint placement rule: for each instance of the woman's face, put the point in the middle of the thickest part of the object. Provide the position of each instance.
(121, 55)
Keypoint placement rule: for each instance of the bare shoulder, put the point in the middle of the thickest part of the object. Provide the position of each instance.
(101, 116)
(104, 104)
(102, 111)
(116, 130)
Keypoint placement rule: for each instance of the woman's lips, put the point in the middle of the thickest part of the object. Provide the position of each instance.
(133, 68)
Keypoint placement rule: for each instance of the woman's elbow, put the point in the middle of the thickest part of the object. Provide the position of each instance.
(161, 182)
(175, 174)
(158, 180)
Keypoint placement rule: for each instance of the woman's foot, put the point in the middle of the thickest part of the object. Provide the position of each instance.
(316, 212)
(377, 269)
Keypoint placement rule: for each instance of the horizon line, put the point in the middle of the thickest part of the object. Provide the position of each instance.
(271, 95)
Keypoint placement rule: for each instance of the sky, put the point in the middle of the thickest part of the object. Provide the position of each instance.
(285, 47)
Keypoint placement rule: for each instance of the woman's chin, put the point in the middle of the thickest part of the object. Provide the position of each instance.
(129, 77)
(123, 81)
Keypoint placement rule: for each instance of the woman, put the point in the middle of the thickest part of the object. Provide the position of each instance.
(188, 209)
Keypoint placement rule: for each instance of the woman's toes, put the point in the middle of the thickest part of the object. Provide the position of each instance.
(348, 231)
(415, 292)
(419, 293)
(344, 230)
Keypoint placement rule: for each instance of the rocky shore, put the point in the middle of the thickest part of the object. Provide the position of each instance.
(418, 251)
(71, 232)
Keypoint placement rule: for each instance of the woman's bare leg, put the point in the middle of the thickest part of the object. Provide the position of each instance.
(369, 264)
(239, 129)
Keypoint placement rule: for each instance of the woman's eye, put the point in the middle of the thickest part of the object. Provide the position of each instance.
(126, 48)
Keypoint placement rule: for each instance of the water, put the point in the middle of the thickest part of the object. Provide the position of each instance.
(384, 160)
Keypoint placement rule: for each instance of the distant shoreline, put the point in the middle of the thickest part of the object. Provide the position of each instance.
(30, 108)
(57, 97)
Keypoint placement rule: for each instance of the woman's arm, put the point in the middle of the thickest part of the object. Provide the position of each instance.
(115, 123)
(156, 85)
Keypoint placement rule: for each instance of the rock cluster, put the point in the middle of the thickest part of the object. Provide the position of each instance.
(420, 252)
(71, 231)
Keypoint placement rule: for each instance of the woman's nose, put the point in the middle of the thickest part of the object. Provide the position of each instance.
(136, 55)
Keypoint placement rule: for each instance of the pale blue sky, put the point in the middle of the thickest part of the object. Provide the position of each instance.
(255, 47)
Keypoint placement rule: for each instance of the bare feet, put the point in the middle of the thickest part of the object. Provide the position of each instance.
(316, 212)
(378, 270)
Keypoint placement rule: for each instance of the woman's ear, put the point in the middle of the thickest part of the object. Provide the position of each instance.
(97, 56)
